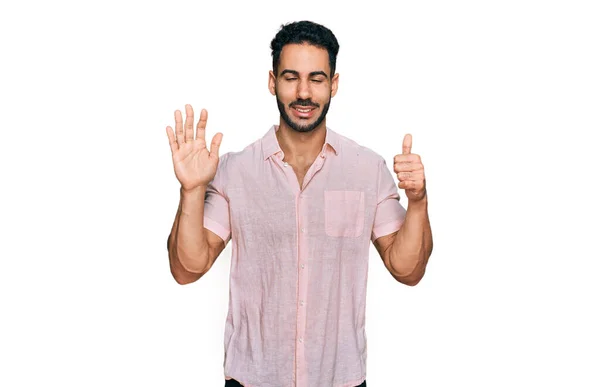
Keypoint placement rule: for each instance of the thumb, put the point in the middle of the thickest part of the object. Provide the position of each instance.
(407, 144)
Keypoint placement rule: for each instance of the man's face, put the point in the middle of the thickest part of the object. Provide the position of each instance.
(303, 86)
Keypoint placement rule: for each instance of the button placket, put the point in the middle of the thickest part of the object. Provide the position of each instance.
(302, 241)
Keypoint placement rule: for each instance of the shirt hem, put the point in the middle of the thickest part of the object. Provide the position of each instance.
(215, 227)
(386, 229)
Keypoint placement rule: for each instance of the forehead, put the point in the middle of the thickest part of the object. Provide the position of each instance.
(304, 58)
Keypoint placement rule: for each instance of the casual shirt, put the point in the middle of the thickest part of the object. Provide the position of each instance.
(299, 261)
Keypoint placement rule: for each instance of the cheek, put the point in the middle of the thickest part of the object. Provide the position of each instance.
(285, 94)
(322, 95)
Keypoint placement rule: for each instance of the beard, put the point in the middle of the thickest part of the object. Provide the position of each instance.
(301, 102)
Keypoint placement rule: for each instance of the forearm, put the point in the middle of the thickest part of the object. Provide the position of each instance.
(188, 246)
(413, 244)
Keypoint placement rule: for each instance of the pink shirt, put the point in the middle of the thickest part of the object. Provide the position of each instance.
(300, 260)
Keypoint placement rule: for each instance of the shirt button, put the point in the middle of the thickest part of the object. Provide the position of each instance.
(285, 164)
(302, 266)
(303, 229)
(301, 303)
(301, 340)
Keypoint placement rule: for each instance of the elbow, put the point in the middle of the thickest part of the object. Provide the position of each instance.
(413, 276)
(411, 279)
(184, 280)
(192, 266)
(191, 263)
(181, 271)
(183, 276)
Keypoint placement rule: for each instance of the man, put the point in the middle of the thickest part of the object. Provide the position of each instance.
(299, 206)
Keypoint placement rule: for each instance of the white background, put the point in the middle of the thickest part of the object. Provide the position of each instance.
(502, 99)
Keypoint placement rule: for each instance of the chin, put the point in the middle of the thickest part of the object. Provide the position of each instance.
(304, 127)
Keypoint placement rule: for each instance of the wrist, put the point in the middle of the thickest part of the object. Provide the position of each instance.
(418, 204)
(193, 192)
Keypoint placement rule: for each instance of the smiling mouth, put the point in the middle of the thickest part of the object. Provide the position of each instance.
(303, 110)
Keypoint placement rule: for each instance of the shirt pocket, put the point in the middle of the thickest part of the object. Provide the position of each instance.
(344, 213)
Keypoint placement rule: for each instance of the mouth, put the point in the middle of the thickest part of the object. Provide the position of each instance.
(303, 111)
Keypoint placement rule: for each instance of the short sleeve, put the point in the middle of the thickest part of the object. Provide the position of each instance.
(216, 204)
(389, 214)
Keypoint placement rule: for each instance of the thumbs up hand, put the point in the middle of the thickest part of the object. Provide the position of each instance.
(410, 172)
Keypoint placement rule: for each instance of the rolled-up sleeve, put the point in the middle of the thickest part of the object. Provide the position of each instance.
(389, 214)
(216, 204)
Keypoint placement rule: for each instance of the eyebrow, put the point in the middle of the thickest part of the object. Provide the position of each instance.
(294, 72)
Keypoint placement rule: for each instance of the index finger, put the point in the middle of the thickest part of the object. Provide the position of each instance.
(407, 144)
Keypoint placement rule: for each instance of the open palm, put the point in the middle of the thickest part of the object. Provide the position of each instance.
(194, 164)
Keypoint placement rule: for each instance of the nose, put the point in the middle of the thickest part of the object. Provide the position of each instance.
(303, 91)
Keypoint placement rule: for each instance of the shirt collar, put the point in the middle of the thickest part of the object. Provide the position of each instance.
(270, 145)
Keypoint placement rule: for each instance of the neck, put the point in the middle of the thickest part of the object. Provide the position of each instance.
(300, 148)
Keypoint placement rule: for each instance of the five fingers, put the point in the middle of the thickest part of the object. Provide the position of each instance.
(408, 166)
(184, 132)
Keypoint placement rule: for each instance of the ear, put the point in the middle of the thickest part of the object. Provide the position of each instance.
(334, 84)
(272, 82)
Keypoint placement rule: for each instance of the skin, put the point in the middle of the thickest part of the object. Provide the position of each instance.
(406, 252)
(192, 248)
(303, 78)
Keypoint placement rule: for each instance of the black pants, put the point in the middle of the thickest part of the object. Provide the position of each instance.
(235, 383)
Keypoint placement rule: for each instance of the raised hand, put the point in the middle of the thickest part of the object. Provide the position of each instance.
(195, 166)
(410, 171)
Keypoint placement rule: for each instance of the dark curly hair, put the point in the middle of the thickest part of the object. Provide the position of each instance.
(305, 32)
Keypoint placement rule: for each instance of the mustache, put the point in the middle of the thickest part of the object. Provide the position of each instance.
(304, 102)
